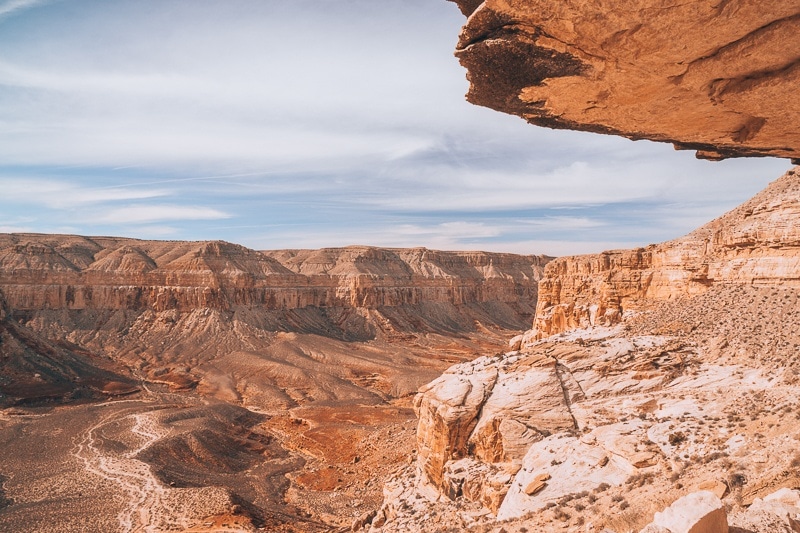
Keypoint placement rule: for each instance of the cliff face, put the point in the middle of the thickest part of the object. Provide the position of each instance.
(70, 272)
(191, 313)
(757, 243)
(642, 71)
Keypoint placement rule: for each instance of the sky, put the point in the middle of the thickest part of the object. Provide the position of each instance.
(311, 123)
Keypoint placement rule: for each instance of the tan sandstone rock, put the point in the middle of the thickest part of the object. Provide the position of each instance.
(642, 71)
(448, 410)
(715, 486)
(698, 512)
(536, 484)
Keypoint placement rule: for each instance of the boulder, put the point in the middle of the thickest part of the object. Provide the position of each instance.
(698, 512)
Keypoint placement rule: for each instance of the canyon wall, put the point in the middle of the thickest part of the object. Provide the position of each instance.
(756, 243)
(70, 272)
(716, 77)
(299, 322)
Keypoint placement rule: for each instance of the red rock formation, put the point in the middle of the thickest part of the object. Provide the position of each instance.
(641, 71)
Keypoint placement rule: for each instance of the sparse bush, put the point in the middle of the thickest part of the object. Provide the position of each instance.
(562, 515)
(795, 461)
(602, 487)
(736, 480)
(676, 438)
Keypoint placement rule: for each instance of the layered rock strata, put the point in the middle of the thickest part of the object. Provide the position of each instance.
(272, 329)
(71, 272)
(756, 243)
(642, 72)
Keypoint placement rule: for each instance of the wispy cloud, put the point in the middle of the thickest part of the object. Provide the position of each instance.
(61, 194)
(9, 7)
(142, 214)
(197, 114)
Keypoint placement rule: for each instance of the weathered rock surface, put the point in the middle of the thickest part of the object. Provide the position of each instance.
(656, 373)
(699, 512)
(642, 71)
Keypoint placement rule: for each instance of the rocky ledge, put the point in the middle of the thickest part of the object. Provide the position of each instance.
(642, 71)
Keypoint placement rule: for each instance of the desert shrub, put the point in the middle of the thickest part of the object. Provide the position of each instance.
(676, 438)
(795, 461)
(736, 479)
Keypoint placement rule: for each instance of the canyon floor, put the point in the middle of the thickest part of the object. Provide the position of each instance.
(162, 460)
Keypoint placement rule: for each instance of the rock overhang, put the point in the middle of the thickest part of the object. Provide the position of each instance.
(718, 79)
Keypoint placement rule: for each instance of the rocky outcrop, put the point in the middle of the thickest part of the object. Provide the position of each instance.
(504, 430)
(756, 243)
(642, 72)
(631, 394)
(699, 512)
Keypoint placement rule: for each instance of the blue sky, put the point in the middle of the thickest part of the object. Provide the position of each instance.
(310, 123)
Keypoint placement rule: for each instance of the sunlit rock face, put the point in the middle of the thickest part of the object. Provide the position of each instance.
(756, 243)
(74, 273)
(716, 77)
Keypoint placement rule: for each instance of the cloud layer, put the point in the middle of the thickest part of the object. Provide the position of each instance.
(310, 123)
